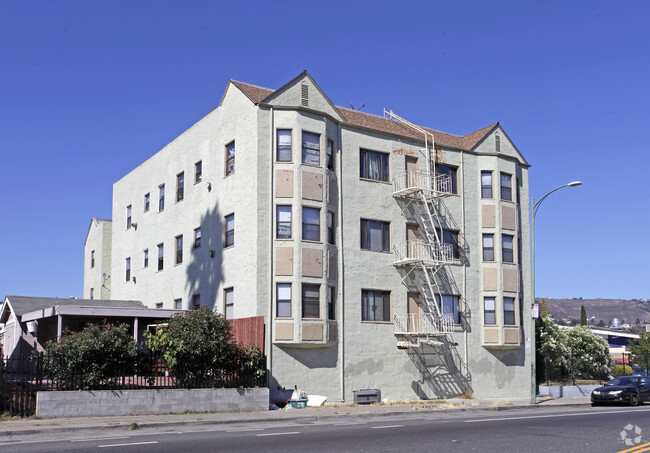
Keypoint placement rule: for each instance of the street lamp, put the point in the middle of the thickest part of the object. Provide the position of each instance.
(535, 207)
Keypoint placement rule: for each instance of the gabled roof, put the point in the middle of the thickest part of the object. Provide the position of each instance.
(466, 142)
(95, 221)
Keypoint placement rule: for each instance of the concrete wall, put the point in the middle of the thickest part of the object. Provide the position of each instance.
(98, 240)
(142, 402)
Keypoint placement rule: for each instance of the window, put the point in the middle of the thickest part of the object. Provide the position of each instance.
(449, 237)
(506, 249)
(488, 247)
(283, 219)
(284, 145)
(92, 293)
(310, 148)
(146, 258)
(197, 237)
(196, 300)
(229, 302)
(331, 304)
(147, 201)
(509, 311)
(159, 305)
(489, 311)
(128, 269)
(161, 253)
(486, 184)
(198, 172)
(375, 235)
(310, 224)
(161, 198)
(375, 305)
(179, 249)
(92, 259)
(128, 217)
(506, 187)
(373, 165)
(450, 185)
(330, 155)
(230, 158)
(330, 228)
(311, 301)
(229, 238)
(283, 300)
(180, 186)
(450, 307)
(178, 304)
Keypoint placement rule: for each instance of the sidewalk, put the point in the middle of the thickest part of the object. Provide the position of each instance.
(18, 426)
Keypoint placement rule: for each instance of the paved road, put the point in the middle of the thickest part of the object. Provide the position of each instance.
(523, 430)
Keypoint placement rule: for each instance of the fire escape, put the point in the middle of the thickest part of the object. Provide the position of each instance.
(420, 194)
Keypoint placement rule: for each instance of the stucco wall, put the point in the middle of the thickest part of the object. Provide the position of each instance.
(141, 402)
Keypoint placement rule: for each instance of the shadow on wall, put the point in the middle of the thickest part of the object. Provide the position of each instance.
(205, 271)
(314, 357)
(444, 375)
(512, 357)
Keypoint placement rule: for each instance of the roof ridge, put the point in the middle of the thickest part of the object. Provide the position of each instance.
(252, 85)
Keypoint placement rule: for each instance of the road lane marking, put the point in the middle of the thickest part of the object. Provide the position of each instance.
(126, 445)
(637, 448)
(351, 423)
(548, 416)
(386, 426)
(92, 439)
(277, 434)
(241, 430)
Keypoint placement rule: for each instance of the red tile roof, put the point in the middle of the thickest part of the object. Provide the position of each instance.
(379, 123)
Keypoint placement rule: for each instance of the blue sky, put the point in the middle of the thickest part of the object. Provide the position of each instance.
(89, 90)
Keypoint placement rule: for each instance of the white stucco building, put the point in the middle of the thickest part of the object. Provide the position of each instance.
(381, 254)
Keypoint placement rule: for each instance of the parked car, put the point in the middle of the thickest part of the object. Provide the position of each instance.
(625, 389)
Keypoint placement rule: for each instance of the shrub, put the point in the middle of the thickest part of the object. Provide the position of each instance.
(91, 358)
(621, 370)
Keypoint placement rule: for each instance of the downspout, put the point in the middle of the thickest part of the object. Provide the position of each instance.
(269, 342)
(340, 263)
(462, 181)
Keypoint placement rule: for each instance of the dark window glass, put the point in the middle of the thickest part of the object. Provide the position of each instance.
(509, 311)
(375, 235)
(373, 165)
(375, 305)
(310, 224)
(229, 239)
(489, 311)
(486, 184)
(507, 249)
(283, 222)
(506, 187)
(284, 145)
(283, 299)
(311, 301)
(230, 158)
(488, 247)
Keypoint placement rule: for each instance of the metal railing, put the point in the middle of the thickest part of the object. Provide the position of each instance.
(422, 180)
(421, 251)
(423, 323)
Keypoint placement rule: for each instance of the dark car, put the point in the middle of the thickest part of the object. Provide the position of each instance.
(631, 390)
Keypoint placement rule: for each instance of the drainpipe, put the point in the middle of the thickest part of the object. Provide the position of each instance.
(462, 181)
(269, 352)
(341, 275)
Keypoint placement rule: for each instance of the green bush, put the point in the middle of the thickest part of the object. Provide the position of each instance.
(91, 358)
(621, 370)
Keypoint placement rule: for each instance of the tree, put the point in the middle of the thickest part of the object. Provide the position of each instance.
(552, 347)
(640, 350)
(589, 353)
(621, 370)
(583, 316)
(601, 323)
(544, 309)
(91, 358)
(198, 345)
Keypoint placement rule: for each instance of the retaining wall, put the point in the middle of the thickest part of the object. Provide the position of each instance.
(89, 403)
(559, 391)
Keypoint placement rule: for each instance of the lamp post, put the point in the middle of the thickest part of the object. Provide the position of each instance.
(534, 208)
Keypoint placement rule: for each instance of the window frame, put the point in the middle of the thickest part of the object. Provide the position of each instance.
(507, 314)
(485, 187)
(311, 301)
(161, 256)
(450, 171)
(281, 304)
(198, 172)
(129, 217)
(180, 186)
(367, 308)
(229, 307)
(147, 201)
(196, 300)
(330, 154)
(304, 148)
(364, 169)
(197, 238)
(442, 232)
(145, 258)
(178, 304)
(506, 190)
(492, 313)
(331, 303)
(92, 293)
(365, 233)
(284, 147)
(127, 266)
(304, 224)
(283, 223)
(92, 259)
(178, 240)
(455, 303)
(161, 198)
(507, 252)
(331, 227)
(230, 153)
(229, 234)
(487, 250)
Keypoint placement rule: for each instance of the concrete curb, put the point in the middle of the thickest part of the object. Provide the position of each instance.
(269, 418)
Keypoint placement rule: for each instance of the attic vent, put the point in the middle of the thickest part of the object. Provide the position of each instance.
(305, 95)
(497, 142)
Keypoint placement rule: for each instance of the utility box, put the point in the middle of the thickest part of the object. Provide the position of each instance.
(367, 396)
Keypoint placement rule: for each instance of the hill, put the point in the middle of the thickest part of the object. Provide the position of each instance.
(628, 311)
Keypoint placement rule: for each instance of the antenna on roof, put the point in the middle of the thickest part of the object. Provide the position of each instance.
(363, 104)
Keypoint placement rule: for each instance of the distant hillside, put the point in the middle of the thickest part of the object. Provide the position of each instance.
(627, 311)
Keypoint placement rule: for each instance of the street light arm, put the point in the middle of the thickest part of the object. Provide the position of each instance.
(536, 205)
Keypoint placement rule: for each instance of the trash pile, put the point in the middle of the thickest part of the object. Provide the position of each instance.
(293, 399)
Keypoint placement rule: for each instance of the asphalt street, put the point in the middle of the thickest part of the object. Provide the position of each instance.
(551, 429)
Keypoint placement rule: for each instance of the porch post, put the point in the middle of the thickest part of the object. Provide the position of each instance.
(59, 325)
(135, 328)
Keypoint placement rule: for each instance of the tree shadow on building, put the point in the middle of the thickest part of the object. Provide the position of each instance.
(204, 274)
(442, 370)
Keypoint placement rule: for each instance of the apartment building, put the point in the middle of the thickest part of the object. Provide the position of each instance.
(381, 254)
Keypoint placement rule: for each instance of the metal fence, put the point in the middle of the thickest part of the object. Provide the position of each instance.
(22, 377)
